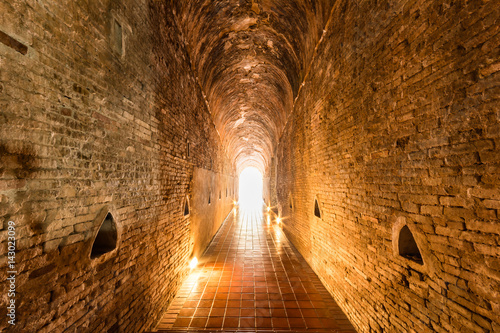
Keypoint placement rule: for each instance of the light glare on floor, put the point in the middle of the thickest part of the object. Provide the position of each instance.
(245, 242)
(193, 263)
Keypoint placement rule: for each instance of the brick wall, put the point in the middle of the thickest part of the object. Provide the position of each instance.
(398, 124)
(93, 122)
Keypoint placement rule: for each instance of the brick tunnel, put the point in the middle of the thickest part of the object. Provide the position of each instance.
(371, 129)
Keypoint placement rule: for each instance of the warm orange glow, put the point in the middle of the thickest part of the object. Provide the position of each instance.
(278, 220)
(268, 208)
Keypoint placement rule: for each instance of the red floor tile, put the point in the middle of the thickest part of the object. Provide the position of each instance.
(198, 322)
(202, 312)
(294, 313)
(231, 322)
(233, 304)
(247, 322)
(296, 323)
(313, 323)
(217, 312)
(247, 312)
(215, 322)
(263, 322)
(280, 323)
(220, 304)
(182, 322)
(205, 303)
(187, 312)
(233, 312)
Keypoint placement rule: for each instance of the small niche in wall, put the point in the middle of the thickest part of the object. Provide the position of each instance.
(188, 146)
(220, 195)
(117, 37)
(186, 207)
(106, 238)
(13, 43)
(290, 201)
(317, 211)
(209, 198)
(408, 247)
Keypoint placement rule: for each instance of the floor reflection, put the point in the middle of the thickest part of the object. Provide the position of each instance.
(251, 277)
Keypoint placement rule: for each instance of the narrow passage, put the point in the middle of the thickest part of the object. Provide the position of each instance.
(251, 277)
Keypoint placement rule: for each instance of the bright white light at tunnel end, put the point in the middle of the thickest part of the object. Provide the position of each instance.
(250, 189)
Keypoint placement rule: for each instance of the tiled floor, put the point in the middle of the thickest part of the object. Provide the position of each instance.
(252, 278)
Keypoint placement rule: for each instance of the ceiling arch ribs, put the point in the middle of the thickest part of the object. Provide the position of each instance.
(250, 60)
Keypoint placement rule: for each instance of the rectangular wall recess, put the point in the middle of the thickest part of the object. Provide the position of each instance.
(13, 43)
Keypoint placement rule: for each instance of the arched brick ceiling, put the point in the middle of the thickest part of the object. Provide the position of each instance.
(250, 58)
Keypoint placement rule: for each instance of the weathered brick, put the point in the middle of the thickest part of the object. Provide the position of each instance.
(403, 111)
(431, 210)
(483, 226)
(84, 131)
(382, 111)
(492, 204)
(452, 201)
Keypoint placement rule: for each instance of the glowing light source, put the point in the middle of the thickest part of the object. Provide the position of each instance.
(278, 220)
(250, 189)
(193, 263)
(268, 208)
